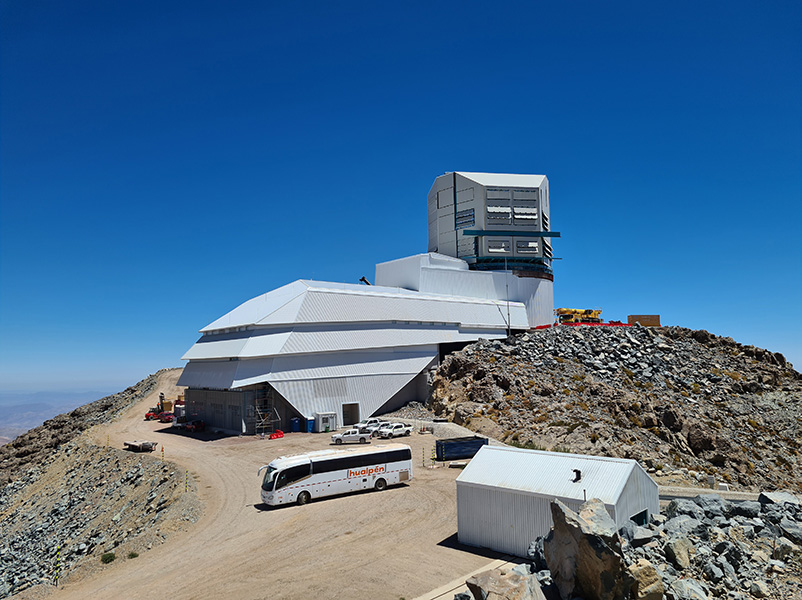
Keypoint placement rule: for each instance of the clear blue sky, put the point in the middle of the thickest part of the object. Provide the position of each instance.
(162, 162)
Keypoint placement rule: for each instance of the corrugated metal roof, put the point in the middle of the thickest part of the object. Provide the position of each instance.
(258, 308)
(329, 302)
(504, 179)
(327, 306)
(348, 337)
(221, 374)
(549, 474)
(379, 336)
(347, 364)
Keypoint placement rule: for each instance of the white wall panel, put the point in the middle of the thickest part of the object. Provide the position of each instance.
(503, 495)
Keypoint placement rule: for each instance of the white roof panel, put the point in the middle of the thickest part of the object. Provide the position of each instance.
(549, 474)
(258, 308)
(504, 179)
(326, 302)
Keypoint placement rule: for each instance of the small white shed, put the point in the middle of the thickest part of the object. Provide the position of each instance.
(503, 495)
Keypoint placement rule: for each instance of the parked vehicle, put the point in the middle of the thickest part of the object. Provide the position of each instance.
(352, 435)
(195, 426)
(373, 429)
(140, 446)
(458, 448)
(302, 477)
(166, 417)
(152, 413)
(394, 430)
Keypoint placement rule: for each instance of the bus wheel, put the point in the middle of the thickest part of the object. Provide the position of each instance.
(381, 485)
(304, 498)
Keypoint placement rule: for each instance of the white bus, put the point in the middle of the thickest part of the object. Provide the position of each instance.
(302, 477)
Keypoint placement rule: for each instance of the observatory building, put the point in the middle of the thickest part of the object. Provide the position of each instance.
(313, 349)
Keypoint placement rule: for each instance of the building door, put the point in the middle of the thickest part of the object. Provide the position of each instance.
(350, 414)
(235, 418)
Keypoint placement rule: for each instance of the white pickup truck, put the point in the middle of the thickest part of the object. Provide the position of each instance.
(371, 426)
(394, 430)
(351, 435)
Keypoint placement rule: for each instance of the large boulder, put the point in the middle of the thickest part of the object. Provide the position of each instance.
(648, 585)
(679, 551)
(713, 505)
(779, 497)
(583, 553)
(686, 589)
(505, 584)
(685, 506)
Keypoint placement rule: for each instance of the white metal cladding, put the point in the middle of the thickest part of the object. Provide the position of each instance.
(503, 495)
(217, 349)
(258, 308)
(549, 473)
(326, 306)
(340, 364)
(246, 344)
(213, 374)
(315, 383)
(504, 179)
(334, 338)
(640, 492)
(327, 302)
(378, 336)
(503, 520)
(322, 395)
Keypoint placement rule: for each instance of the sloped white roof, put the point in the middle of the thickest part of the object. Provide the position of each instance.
(504, 179)
(306, 301)
(549, 474)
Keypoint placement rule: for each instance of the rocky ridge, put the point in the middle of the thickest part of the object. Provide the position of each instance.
(35, 446)
(673, 398)
(68, 501)
(700, 549)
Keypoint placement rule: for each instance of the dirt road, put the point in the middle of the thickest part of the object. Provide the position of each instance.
(391, 544)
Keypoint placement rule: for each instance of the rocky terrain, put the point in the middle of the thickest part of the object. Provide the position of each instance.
(701, 548)
(68, 502)
(677, 400)
(36, 446)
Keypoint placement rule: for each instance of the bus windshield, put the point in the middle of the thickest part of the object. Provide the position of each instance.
(269, 479)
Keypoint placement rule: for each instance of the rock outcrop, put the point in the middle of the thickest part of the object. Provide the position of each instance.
(684, 403)
(500, 584)
(583, 553)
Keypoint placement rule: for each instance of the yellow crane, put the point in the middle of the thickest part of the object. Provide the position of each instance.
(578, 315)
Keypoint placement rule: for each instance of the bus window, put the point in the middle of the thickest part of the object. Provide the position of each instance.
(293, 474)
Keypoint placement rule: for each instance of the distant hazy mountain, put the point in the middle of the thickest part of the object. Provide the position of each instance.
(21, 411)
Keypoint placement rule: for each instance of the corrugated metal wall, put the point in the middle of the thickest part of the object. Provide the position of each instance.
(502, 520)
(640, 492)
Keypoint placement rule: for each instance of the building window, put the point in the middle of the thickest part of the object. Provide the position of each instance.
(525, 215)
(498, 246)
(526, 247)
(498, 214)
(497, 193)
(465, 218)
(526, 195)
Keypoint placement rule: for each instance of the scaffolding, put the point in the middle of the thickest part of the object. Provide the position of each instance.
(267, 417)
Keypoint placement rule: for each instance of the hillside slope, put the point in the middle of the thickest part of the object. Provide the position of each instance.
(68, 499)
(669, 397)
